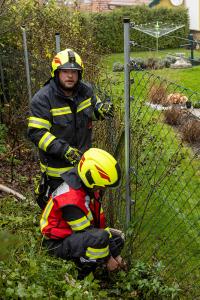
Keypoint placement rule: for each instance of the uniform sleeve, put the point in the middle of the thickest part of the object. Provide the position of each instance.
(39, 128)
(76, 218)
(96, 102)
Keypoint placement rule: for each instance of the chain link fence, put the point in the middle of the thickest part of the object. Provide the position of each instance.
(164, 179)
(164, 158)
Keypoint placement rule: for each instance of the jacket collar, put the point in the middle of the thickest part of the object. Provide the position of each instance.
(72, 179)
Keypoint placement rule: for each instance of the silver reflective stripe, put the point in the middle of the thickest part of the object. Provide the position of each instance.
(46, 140)
(89, 215)
(97, 253)
(81, 225)
(98, 99)
(44, 219)
(54, 172)
(39, 123)
(60, 111)
(63, 188)
(86, 103)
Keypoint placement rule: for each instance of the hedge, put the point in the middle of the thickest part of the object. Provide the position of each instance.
(108, 27)
(84, 31)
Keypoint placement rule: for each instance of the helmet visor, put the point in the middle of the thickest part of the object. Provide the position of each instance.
(70, 66)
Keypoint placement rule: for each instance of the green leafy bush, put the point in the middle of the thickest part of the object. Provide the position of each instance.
(144, 281)
(28, 272)
(108, 28)
(196, 104)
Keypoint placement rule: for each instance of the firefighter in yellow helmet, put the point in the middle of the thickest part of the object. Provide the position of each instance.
(60, 122)
(73, 223)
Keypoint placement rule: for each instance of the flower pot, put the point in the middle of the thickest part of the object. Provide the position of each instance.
(188, 104)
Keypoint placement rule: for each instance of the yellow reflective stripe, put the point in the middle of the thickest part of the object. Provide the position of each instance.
(54, 172)
(86, 103)
(108, 230)
(97, 253)
(79, 224)
(98, 99)
(46, 139)
(90, 216)
(44, 219)
(61, 111)
(39, 123)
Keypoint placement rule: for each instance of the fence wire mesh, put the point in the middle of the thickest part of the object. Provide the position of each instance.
(165, 166)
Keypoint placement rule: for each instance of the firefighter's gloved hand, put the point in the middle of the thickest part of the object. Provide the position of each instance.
(112, 264)
(105, 110)
(117, 232)
(122, 263)
(73, 155)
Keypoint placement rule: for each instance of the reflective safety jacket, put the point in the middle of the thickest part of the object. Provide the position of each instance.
(75, 219)
(57, 121)
(52, 223)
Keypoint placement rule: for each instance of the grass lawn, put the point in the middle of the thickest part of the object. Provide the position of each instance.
(185, 77)
(165, 186)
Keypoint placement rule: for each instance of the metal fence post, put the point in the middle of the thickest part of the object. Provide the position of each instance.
(57, 36)
(191, 45)
(28, 78)
(127, 115)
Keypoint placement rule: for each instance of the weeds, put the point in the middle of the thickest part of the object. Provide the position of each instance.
(157, 94)
(173, 116)
(191, 131)
(28, 272)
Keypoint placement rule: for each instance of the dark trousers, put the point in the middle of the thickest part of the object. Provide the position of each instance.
(74, 248)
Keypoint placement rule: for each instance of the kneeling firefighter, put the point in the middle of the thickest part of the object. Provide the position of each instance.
(73, 222)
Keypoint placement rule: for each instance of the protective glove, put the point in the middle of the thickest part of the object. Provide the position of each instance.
(112, 265)
(117, 232)
(121, 262)
(105, 109)
(73, 155)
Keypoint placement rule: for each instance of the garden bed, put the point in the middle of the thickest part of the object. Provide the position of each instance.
(187, 121)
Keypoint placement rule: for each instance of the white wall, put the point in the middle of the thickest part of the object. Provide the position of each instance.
(194, 13)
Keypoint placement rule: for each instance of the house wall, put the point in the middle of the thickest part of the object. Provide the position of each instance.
(194, 13)
(193, 9)
(165, 3)
(107, 5)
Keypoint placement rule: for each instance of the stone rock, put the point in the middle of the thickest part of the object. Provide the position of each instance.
(181, 62)
(118, 67)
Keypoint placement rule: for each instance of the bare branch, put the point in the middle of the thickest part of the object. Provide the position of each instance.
(8, 190)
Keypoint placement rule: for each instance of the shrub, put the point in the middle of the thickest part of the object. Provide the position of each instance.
(157, 94)
(108, 28)
(152, 63)
(173, 116)
(144, 281)
(3, 131)
(118, 67)
(137, 63)
(196, 104)
(41, 23)
(176, 98)
(191, 131)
